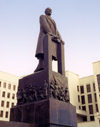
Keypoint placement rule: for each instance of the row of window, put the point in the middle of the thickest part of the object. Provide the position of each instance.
(88, 87)
(89, 97)
(8, 95)
(2, 114)
(91, 118)
(5, 85)
(7, 104)
(90, 107)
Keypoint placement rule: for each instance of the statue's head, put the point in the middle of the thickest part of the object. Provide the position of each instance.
(48, 11)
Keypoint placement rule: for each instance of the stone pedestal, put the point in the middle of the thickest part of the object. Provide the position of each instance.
(43, 96)
(40, 86)
(15, 124)
(46, 113)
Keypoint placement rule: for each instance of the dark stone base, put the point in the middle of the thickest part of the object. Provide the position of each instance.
(46, 113)
(37, 79)
(15, 124)
(38, 86)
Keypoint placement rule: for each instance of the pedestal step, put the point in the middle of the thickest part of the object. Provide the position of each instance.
(15, 124)
(46, 113)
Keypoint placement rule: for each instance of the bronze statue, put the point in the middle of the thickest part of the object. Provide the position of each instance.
(47, 26)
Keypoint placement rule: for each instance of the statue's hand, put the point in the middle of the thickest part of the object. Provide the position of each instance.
(50, 34)
(62, 42)
(56, 39)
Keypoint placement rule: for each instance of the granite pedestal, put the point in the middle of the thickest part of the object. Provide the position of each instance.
(15, 124)
(46, 113)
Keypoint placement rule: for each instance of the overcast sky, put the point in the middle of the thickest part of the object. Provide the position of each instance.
(78, 22)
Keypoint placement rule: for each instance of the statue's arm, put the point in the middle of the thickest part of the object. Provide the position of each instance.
(59, 36)
(44, 24)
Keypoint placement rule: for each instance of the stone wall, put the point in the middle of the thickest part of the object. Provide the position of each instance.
(87, 124)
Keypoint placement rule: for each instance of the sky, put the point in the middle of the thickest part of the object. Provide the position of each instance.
(78, 22)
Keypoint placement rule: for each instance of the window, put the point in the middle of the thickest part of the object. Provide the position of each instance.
(8, 95)
(84, 118)
(14, 87)
(95, 97)
(94, 87)
(3, 94)
(12, 105)
(1, 113)
(97, 110)
(4, 85)
(89, 98)
(9, 86)
(2, 103)
(78, 88)
(99, 89)
(7, 105)
(84, 108)
(78, 98)
(6, 115)
(88, 88)
(83, 99)
(91, 109)
(98, 79)
(82, 89)
(13, 96)
(91, 118)
(79, 107)
(0, 83)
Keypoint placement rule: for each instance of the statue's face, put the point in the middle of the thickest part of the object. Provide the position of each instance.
(48, 11)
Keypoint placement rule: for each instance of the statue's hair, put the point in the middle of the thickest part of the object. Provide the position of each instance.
(47, 9)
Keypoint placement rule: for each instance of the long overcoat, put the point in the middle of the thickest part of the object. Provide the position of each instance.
(47, 25)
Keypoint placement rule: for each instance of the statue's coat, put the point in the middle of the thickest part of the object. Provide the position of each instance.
(47, 25)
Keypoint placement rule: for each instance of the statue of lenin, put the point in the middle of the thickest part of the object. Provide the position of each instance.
(47, 26)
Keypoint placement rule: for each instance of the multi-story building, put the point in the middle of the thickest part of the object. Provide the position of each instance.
(8, 89)
(85, 95)
(88, 96)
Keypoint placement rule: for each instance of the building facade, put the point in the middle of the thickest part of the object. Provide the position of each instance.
(85, 95)
(8, 90)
